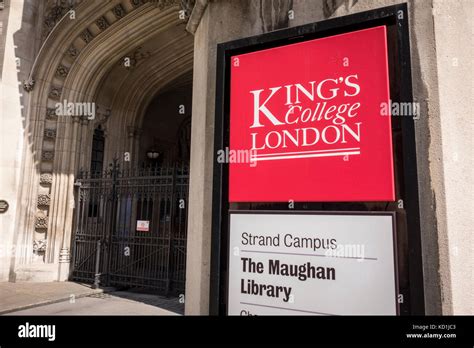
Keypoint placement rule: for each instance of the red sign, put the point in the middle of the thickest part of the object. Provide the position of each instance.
(143, 225)
(308, 115)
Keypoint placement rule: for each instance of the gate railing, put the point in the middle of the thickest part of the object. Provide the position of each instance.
(108, 245)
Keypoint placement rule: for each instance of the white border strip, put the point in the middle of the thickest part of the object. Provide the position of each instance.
(305, 156)
(303, 152)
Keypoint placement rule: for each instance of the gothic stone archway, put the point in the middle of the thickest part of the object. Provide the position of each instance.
(130, 223)
(82, 61)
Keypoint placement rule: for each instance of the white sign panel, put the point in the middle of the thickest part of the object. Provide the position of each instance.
(311, 264)
(143, 225)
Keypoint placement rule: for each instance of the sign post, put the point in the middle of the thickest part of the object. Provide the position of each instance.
(306, 147)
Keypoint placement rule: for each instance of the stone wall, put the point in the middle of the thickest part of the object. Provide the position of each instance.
(444, 147)
(453, 32)
(20, 43)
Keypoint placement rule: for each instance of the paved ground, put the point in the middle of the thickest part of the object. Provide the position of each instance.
(67, 298)
(117, 303)
(22, 295)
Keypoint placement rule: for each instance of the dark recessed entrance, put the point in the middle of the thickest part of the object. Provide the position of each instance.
(130, 221)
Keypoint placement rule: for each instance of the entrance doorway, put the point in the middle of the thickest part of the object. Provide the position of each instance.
(130, 224)
(131, 228)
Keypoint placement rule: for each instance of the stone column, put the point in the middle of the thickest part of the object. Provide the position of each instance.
(132, 147)
(17, 50)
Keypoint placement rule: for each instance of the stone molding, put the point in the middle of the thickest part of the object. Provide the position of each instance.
(50, 133)
(51, 114)
(39, 245)
(28, 84)
(119, 11)
(134, 57)
(102, 23)
(87, 36)
(55, 93)
(44, 200)
(41, 222)
(62, 71)
(72, 51)
(134, 132)
(198, 9)
(46, 179)
(56, 12)
(47, 155)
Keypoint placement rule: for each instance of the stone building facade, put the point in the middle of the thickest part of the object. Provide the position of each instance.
(123, 54)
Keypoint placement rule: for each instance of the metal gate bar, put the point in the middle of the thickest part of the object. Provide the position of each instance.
(109, 204)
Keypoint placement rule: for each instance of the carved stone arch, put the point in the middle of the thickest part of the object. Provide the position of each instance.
(138, 102)
(150, 78)
(72, 64)
(38, 158)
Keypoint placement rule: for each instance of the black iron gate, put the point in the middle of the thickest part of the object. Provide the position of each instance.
(130, 228)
